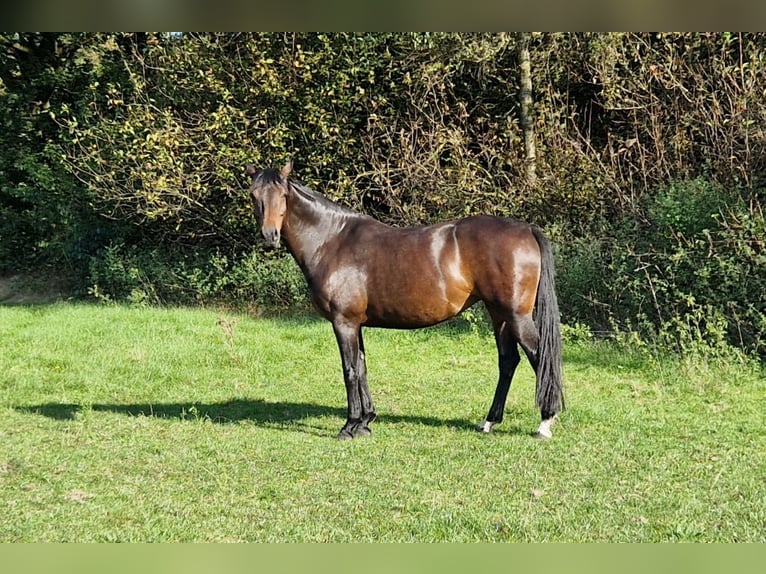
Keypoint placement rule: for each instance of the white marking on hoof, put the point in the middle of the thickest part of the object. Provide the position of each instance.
(544, 430)
(486, 426)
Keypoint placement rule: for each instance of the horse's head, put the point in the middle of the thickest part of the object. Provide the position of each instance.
(269, 190)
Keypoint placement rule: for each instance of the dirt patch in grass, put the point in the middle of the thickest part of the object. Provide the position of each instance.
(29, 290)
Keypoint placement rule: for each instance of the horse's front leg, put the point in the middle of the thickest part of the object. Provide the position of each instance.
(348, 335)
(368, 410)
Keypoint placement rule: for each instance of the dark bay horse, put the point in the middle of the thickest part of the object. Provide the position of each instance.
(364, 273)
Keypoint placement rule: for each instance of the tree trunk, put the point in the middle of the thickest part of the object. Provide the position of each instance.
(525, 109)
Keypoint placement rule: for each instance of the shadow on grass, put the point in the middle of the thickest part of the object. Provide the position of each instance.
(257, 411)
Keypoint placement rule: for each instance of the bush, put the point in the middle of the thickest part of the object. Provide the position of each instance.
(689, 268)
(582, 281)
(142, 275)
(271, 281)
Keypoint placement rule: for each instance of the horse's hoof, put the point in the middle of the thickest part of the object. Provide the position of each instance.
(345, 434)
(485, 427)
(544, 430)
(361, 431)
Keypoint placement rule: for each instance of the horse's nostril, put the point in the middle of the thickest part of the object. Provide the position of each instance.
(271, 236)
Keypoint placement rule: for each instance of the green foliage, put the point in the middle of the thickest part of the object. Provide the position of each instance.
(122, 158)
(46, 216)
(576, 334)
(269, 282)
(139, 276)
(130, 274)
(690, 270)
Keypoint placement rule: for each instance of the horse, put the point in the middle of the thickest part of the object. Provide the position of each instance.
(362, 272)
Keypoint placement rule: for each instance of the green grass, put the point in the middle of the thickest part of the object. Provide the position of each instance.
(130, 424)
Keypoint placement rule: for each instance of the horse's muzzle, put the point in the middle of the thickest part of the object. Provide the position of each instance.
(271, 236)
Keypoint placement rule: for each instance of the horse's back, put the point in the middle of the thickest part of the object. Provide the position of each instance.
(413, 277)
(491, 228)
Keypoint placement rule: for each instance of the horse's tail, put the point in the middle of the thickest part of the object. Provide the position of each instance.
(550, 391)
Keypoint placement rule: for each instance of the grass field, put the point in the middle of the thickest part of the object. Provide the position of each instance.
(131, 424)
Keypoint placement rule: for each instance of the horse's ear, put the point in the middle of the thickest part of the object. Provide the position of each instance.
(286, 170)
(250, 170)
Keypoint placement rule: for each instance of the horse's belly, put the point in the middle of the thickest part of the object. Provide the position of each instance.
(412, 309)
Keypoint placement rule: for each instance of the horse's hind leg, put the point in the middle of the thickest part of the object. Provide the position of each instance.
(507, 360)
(528, 337)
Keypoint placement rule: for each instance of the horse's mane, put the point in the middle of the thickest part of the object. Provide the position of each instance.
(273, 176)
(316, 197)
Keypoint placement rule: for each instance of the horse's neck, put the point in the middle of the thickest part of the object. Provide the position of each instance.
(309, 225)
